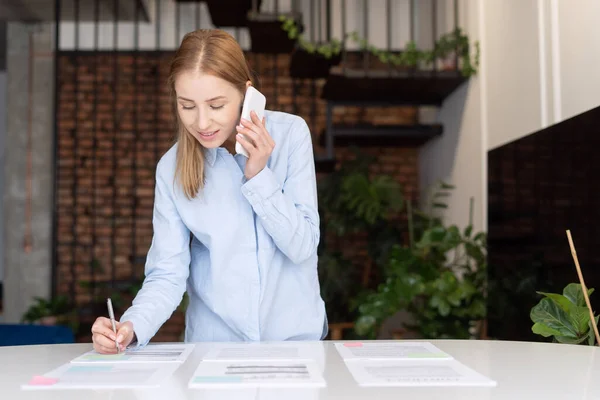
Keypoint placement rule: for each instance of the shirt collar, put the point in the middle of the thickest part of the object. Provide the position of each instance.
(210, 156)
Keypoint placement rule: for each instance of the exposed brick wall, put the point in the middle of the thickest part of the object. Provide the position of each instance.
(111, 138)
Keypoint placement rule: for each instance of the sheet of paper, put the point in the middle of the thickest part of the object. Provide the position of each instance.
(225, 374)
(151, 353)
(390, 351)
(105, 376)
(415, 373)
(262, 351)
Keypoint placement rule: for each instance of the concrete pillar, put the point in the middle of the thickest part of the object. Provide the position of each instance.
(27, 275)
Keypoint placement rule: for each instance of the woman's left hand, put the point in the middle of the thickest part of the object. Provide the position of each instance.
(259, 147)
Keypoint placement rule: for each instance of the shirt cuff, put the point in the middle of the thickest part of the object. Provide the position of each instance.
(262, 186)
(139, 340)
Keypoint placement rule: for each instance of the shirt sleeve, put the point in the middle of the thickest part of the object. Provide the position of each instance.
(289, 211)
(166, 269)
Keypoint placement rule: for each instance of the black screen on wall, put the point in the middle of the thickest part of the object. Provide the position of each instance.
(539, 186)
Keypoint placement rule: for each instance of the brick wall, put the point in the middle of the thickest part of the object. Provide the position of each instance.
(114, 123)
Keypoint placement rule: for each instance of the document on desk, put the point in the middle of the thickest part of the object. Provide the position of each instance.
(415, 373)
(176, 353)
(105, 376)
(275, 373)
(261, 351)
(390, 351)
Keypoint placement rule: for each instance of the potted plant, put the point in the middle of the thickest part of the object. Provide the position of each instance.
(56, 311)
(310, 60)
(267, 35)
(312, 63)
(565, 317)
(439, 278)
(230, 13)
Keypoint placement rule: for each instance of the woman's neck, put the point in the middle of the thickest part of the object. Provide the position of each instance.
(229, 144)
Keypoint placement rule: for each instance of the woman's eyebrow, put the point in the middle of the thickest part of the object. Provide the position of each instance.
(213, 99)
(216, 98)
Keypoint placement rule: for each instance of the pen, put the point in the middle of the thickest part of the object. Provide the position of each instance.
(111, 314)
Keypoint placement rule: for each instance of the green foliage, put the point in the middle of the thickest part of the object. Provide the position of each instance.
(351, 200)
(439, 278)
(327, 50)
(58, 307)
(564, 317)
(453, 43)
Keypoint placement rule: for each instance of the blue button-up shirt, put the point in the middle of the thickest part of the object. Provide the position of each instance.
(247, 249)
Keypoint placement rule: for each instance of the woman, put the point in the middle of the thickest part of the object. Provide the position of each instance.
(242, 233)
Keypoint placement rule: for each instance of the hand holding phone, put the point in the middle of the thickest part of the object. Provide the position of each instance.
(253, 101)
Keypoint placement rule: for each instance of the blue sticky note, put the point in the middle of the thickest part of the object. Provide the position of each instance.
(90, 368)
(217, 379)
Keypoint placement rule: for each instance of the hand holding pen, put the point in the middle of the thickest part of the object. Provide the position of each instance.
(109, 339)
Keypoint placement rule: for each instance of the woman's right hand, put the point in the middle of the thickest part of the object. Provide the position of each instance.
(103, 336)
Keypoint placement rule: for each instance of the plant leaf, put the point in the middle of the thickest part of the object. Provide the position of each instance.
(580, 318)
(574, 293)
(548, 313)
(560, 300)
(570, 340)
(541, 329)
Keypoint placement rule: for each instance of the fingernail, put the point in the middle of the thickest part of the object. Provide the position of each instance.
(119, 338)
(112, 337)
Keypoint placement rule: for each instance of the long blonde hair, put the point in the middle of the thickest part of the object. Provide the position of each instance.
(214, 52)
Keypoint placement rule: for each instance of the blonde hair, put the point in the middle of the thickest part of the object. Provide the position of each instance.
(214, 52)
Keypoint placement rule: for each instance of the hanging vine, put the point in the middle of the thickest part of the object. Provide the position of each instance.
(452, 43)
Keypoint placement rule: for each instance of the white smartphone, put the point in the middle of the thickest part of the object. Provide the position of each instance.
(253, 101)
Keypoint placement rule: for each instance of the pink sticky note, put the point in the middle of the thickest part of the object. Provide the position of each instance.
(39, 380)
(353, 344)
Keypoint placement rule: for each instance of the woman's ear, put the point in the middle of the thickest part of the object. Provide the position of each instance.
(248, 84)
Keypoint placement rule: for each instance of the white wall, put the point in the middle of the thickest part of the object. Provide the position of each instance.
(578, 66)
(542, 64)
(458, 156)
(512, 69)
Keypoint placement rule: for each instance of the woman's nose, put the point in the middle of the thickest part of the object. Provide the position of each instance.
(202, 120)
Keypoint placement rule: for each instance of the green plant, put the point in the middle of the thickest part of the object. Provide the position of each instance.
(564, 317)
(352, 201)
(439, 278)
(328, 50)
(452, 43)
(56, 311)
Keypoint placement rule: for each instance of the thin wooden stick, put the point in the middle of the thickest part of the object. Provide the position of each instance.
(583, 287)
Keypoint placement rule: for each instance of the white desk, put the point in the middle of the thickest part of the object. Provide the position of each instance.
(522, 371)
